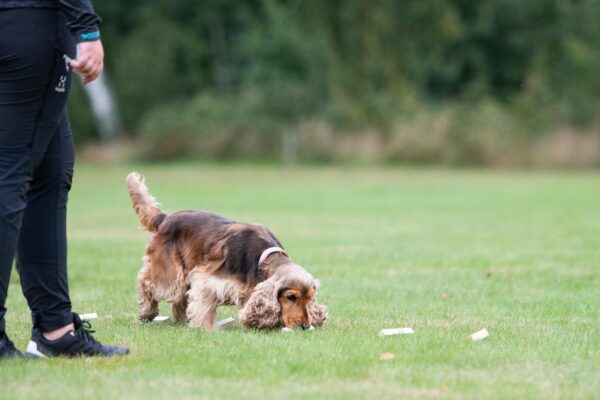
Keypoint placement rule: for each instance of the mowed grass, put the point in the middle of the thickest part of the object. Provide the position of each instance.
(444, 252)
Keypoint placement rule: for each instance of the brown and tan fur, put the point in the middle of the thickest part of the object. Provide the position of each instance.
(198, 261)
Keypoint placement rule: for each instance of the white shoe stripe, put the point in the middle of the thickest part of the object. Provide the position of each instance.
(33, 350)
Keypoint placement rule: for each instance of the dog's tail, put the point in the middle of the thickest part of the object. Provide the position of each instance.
(144, 204)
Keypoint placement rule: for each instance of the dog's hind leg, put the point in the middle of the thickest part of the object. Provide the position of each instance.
(179, 310)
(148, 305)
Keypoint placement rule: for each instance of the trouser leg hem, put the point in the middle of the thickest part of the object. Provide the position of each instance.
(49, 322)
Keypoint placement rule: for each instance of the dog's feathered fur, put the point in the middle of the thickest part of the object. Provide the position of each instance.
(198, 260)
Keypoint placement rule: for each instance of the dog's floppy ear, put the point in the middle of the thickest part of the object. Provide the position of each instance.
(318, 314)
(262, 310)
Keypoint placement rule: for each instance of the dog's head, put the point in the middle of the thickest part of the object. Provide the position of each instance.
(287, 299)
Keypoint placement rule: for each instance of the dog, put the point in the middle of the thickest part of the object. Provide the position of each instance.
(198, 261)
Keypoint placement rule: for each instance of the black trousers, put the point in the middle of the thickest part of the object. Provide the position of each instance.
(36, 160)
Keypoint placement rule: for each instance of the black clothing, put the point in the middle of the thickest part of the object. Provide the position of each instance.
(36, 160)
(7, 348)
(81, 18)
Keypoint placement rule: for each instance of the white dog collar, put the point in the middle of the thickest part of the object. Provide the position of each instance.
(270, 251)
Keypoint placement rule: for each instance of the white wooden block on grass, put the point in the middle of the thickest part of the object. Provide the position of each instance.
(396, 331)
(480, 335)
(225, 323)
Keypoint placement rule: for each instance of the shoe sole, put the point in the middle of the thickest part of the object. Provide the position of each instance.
(33, 352)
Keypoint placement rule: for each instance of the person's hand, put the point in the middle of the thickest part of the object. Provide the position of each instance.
(90, 63)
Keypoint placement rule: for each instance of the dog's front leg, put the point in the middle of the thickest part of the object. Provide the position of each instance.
(201, 308)
(201, 315)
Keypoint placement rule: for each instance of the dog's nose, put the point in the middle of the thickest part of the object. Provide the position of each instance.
(304, 326)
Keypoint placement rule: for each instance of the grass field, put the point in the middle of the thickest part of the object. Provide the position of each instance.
(447, 253)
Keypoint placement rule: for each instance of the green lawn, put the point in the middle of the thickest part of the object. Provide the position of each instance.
(444, 252)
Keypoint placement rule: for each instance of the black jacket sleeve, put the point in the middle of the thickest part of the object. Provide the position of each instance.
(82, 20)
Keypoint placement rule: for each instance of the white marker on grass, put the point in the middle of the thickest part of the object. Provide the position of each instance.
(286, 329)
(160, 318)
(396, 331)
(225, 323)
(480, 335)
(88, 316)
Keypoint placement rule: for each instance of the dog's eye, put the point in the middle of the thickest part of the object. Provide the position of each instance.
(291, 297)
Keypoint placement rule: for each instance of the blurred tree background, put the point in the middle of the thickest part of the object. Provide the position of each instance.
(488, 82)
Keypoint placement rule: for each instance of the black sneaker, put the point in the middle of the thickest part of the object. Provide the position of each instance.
(7, 348)
(79, 342)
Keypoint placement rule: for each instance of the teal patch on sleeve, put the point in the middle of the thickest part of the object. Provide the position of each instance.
(90, 36)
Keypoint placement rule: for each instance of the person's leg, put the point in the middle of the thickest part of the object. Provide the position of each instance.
(41, 253)
(14, 181)
(42, 247)
(27, 57)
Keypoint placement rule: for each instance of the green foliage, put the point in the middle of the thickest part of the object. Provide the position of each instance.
(355, 65)
(210, 127)
(144, 52)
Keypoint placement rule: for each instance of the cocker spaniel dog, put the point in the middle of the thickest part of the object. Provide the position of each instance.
(198, 261)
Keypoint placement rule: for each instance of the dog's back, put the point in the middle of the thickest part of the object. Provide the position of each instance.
(197, 239)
